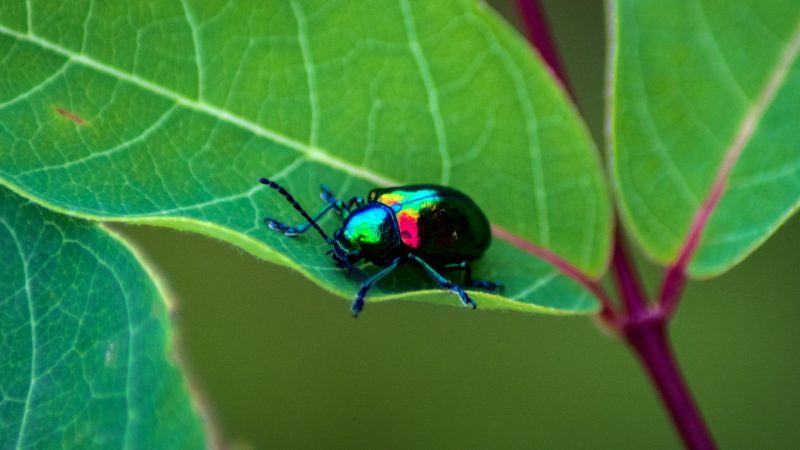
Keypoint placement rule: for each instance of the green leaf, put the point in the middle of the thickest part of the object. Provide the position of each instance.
(84, 339)
(706, 96)
(168, 112)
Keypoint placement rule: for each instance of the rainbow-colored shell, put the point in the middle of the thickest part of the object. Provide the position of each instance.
(437, 223)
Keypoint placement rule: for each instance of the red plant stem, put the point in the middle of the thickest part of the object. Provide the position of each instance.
(671, 289)
(643, 328)
(646, 334)
(675, 276)
(627, 279)
(649, 341)
(539, 36)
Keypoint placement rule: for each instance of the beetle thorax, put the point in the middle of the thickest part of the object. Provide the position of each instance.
(371, 231)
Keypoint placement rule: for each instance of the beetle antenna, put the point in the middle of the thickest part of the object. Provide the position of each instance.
(290, 199)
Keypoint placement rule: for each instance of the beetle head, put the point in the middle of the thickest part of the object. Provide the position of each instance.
(369, 232)
(343, 254)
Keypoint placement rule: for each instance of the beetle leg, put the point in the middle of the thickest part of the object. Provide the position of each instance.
(326, 194)
(289, 230)
(358, 303)
(342, 206)
(464, 265)
(486, 285)
(342, 263)
(444, 282)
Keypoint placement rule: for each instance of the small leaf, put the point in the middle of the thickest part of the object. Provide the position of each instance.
(706, 96)
(84, 339)
(168, 113)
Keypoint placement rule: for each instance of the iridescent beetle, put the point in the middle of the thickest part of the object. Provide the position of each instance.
(436, 227)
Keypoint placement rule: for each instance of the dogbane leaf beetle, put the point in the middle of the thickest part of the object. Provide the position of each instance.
(435, 227)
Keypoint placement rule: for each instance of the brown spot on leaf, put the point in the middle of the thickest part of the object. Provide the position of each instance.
(76, 119)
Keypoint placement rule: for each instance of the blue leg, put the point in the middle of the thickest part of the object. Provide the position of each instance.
(443, 282)
(358, 303)
(331, 202)
(345, 207)
(326, 195)
(485, 285)
(342, 206)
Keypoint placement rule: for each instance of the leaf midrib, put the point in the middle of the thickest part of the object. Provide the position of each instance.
(430, 89)
(311, 152)
(775, 81)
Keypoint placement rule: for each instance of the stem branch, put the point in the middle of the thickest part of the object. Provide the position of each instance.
(643, 328)
(648, 339)
(539, 36)
(671, 289)
(627, 280)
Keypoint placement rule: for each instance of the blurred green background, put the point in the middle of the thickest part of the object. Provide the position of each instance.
(280, 363)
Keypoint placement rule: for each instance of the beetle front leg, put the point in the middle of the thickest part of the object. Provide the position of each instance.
(358, 303)
(443, 282)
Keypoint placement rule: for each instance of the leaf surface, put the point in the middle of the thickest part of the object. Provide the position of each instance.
(706, 147)
(168, 113)
(85, 337)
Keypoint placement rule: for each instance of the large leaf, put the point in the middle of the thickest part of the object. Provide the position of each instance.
(84, 339)
(706, 100)
(168, 112)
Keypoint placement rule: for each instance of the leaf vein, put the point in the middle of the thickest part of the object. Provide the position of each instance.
(308, 64)
(776, 79)
(29, 15)
(430, 89)
(29, 296)
(155, 126)
(537, 284)
(312, 152)
(46, 82)
(674, 172)
(531, 127)
(717, 49)
(198, 51)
